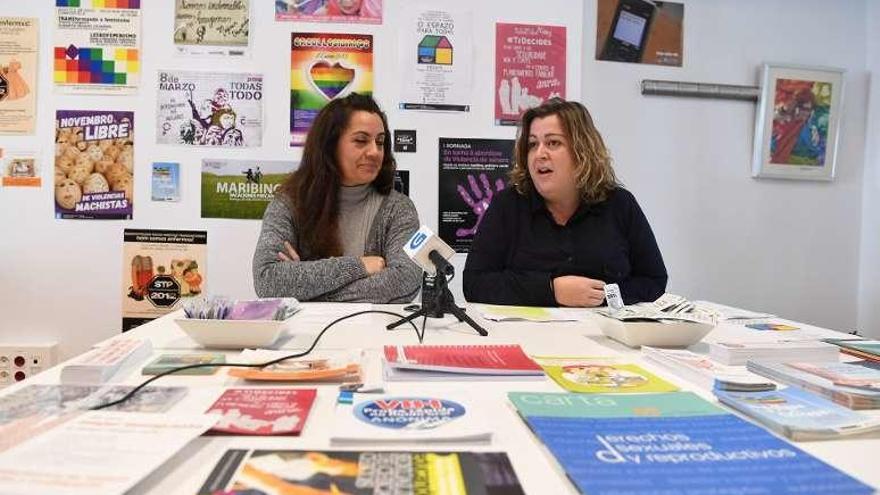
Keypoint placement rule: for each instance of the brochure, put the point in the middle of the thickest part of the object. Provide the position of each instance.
(262, 411)
(368, 418)
(601, 375)
(662, 443)
(362, 473)
(799, 415)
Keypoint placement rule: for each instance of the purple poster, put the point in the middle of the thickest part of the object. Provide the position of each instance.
(472, 172)
(94, 164)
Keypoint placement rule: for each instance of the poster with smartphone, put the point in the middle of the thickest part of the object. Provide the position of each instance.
(529, 68)
(472, 172)
(640, 32)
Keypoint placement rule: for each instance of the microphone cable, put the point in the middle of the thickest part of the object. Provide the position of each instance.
(143, 384)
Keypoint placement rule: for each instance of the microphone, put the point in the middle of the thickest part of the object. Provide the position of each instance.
(428, 251)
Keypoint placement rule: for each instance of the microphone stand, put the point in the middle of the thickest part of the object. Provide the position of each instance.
(437, 300)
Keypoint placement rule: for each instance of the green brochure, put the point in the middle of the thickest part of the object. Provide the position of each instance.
(562, 405)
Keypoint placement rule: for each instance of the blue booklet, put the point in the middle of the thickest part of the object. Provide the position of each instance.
(798, 414)
(650, 450)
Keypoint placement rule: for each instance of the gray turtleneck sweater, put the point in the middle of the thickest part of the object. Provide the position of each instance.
(370, 225)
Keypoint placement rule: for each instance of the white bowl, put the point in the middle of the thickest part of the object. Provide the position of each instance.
(654, 334)
(232, 334)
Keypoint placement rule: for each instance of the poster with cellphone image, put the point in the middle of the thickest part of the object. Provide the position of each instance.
(640, 31)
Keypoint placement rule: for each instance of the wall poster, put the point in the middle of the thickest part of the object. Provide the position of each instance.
(19, 168)
(640, 31)
(223, 109)
(324, 66)
(341, 11)
(529, 68)
(97, 47)
(94, 164)
(241, 188)
(19, 42)
(471, 172)
(160, 270)
(436, 58)
(212, 27)
(165, 181)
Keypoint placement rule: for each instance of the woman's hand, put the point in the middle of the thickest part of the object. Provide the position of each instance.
(289, 254)
(571, 290)
(373, 264)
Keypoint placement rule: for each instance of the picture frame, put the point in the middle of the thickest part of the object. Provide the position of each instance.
(797, 125)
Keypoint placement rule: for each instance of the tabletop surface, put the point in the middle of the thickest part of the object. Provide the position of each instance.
(536, 468)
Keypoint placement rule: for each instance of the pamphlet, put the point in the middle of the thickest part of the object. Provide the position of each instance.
(262, 411)
(601, 375)
(362, 473)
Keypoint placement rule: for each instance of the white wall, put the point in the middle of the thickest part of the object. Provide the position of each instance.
(61, 280)
(869, 273)
(788, 247)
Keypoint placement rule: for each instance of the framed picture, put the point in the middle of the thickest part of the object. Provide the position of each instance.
(798, 122)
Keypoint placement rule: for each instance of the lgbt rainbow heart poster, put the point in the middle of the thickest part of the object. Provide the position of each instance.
(324, 66)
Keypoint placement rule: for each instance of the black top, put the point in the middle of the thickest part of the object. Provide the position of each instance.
(519, 249)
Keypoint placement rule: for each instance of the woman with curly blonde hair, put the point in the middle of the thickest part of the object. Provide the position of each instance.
(565, 227)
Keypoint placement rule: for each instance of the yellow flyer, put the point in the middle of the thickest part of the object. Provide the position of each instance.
(604, 375)
(19, 38)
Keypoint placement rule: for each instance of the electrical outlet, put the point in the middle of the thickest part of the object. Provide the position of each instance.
(20, 361)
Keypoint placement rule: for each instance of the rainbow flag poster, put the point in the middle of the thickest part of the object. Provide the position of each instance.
(96, 46)
(324, 66)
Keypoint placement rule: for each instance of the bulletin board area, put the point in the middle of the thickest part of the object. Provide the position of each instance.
(62, 279)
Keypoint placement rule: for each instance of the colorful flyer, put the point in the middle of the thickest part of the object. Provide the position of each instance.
(436, 58)
(222, 109)
(262, 411)
(19, 169)
(529, 68)
(166, 181)
(362, 473)
(241, 188)
(160, 269)
(341, 11)
(97, 46)
(602, 375)
(94, 164)
(211, 27)
(471, 172)
(19, 42)
(324, 66)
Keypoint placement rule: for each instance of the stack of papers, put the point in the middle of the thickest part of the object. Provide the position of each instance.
(737, 353)
(848, 384)
(101, 363)
(705, 372)
(457, 361)
(799, 415)
(865, 349)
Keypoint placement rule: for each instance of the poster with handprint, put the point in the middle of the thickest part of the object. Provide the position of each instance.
(223, 109)
(472, 172)
(529, 68)
(324, 66)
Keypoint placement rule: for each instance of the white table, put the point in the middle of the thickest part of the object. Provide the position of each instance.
(534, 465)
